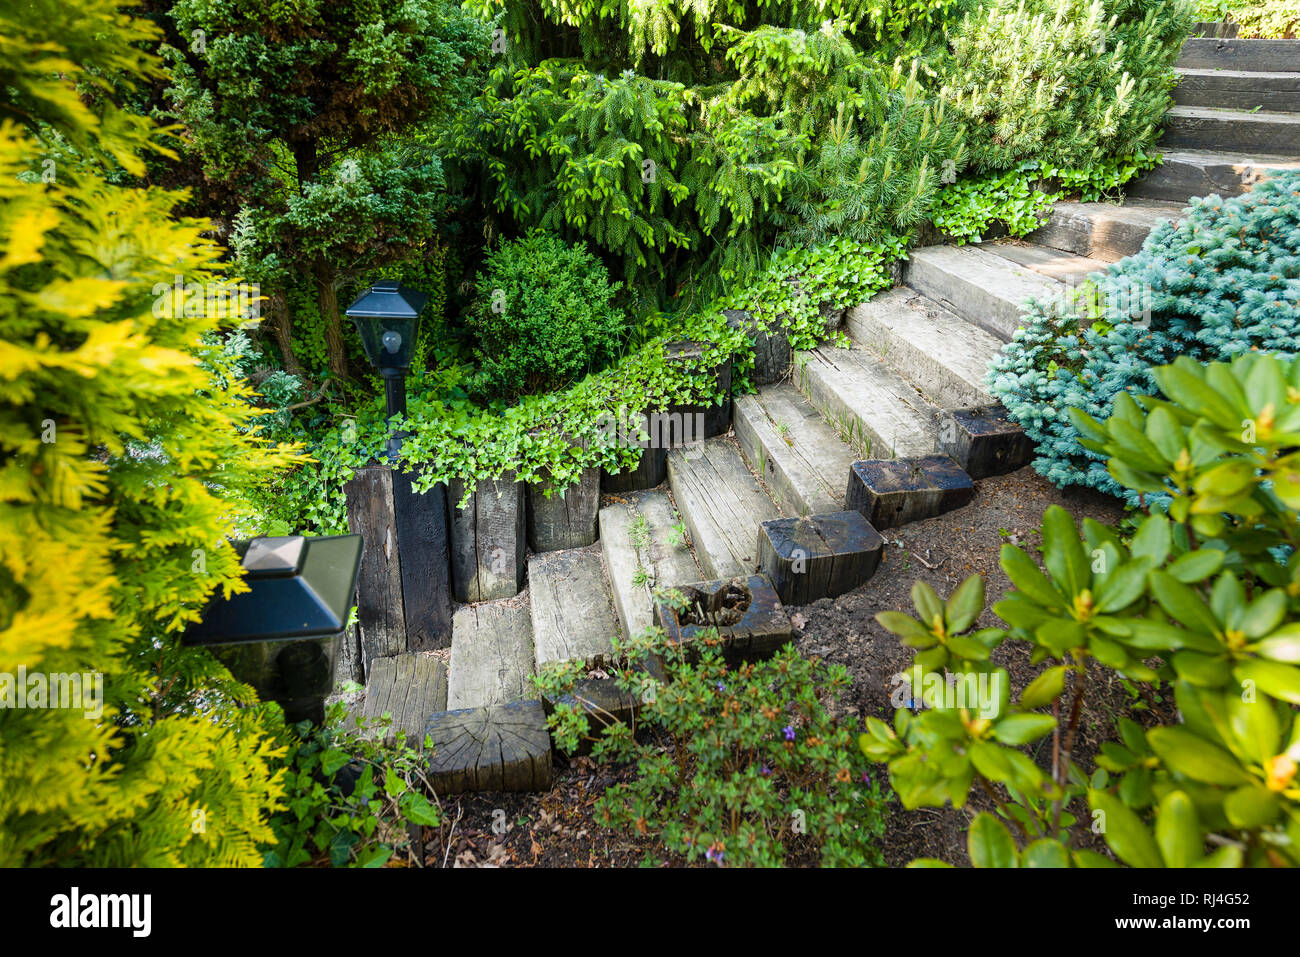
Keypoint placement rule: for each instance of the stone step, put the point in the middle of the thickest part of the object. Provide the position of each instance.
(1102, 230)
(573, 615)
(803, 462)
(977, 285)
(1199, 127)
(491, 655)
(722, 505)
(1188, 173)
(410, 688)
(881, 412)
(938, 352)
(1239, 90)
(1247, 55)
(643, 549)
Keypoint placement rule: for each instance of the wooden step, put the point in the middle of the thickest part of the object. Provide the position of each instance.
(978, 285)
(722, 505)
(408, 687)
(935, 350)
(1245, 55)
(573, 615)
(1064, 267)
(491, 655)
(1103, 231)
(643, 549)
(500, 747)
(1187, 173)
(1201, 128)
(804, 464)
(1239, 90)
(855, 391)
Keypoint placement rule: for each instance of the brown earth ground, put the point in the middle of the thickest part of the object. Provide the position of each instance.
(557, 828)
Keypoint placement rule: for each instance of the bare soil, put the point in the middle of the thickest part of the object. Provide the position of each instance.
(557, 828)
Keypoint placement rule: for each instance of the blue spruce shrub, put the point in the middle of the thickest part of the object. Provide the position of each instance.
(1224, 281)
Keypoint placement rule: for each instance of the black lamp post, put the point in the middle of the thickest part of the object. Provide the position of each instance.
(281, 636)
(388, 320)
(387, 316)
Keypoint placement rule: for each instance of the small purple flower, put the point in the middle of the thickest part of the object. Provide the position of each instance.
(866, 779)
(713, 855)
(765, 771)
(722, 689)
(788, 731)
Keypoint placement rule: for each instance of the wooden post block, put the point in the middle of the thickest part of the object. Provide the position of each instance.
(747, 613)
(349, 666)
(567, 519)
(651, 468)
(984, 441)
(380, 613)
(487, 540)
(424, 547)
(772, 353)
(682, 420)
(503, 747)
(894, 492)
(602, 700)
(822, 556)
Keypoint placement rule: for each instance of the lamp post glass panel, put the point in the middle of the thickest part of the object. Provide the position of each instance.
(387, 316)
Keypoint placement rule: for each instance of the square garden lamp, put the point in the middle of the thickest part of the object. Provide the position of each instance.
(281, 636)
(388, 320)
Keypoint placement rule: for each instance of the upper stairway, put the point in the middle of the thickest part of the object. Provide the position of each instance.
(1236, 115)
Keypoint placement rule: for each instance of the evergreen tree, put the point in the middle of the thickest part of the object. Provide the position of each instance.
(312, 115)
(126, 447)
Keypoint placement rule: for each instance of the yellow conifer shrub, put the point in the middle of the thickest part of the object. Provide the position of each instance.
(125, 450)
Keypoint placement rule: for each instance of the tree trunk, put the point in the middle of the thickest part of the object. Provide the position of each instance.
(328, 300)
(308, 163)
(282, 326)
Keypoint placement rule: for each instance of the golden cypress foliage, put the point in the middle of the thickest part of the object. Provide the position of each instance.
(125, 449)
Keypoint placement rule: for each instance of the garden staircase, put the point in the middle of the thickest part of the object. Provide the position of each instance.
(908, 387)
(1236, 114)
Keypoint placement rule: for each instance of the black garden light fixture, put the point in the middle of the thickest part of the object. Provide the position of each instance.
(388, 320)
(281, 636)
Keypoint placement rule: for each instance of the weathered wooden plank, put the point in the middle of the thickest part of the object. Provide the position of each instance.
(984, 441)
(423, 543)
(772, 352)
(899, 491)
(488, 540)
(349, 665)
(821, 556)
(682, 419)
(650, 471)
(722, 505)
(1201, 128)
(491, 655)
(404, 693)
(1236, 54)
(643, 549)
(800, 457)
(571, 610)
(431, 678)
(369, 495)
(567, 519)
(496, 748)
